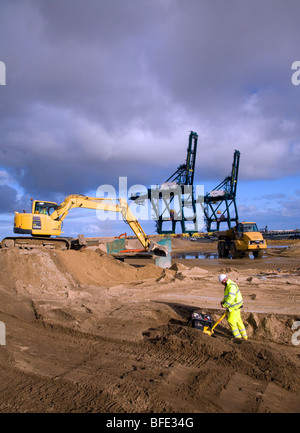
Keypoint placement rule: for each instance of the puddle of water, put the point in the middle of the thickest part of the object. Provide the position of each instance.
(208, 255)
(278, 246)
(201, 255)
(195, 255)
(265, 276)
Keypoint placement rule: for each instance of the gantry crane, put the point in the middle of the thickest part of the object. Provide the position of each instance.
(223, 194)
(175, 198)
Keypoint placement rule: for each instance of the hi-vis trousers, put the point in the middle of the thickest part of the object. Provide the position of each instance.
(236, 324)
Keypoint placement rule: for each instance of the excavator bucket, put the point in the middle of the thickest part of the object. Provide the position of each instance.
(164, 247)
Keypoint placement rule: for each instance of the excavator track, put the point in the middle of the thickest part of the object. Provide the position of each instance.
(36, 242)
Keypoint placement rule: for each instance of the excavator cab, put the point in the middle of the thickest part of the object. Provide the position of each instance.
(39, 221)
(43, 207)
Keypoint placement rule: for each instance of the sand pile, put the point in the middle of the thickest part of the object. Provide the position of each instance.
(277, 329)
(62, 286)
(65, 269)
(186, 272)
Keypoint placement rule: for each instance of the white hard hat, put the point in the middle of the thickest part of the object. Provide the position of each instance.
(222, 277)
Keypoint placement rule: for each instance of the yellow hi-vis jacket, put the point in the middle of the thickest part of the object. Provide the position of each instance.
(232, 296)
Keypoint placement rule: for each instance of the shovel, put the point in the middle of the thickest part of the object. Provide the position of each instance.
(210, 331)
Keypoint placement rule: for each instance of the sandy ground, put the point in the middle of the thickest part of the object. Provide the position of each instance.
(88, 333)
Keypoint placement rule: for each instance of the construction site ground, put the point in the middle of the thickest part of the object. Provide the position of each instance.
(88, 333)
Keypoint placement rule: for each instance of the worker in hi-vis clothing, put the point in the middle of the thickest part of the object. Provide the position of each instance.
(233, 302)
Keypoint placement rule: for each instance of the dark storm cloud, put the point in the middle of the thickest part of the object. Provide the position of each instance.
(100, 89)
(8, 199)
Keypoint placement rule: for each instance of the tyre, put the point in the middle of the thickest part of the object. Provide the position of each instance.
(221, 249)
(226, 251)
(258, 254)
(235, 254)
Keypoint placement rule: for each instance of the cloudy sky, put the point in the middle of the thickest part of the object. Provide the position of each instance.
(99, 89)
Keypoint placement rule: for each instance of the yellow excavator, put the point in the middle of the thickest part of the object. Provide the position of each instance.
(46, 219)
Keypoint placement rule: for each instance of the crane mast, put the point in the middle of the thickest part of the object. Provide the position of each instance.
(223, 194)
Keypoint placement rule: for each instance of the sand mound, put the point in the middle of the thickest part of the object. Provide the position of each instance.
(178, 267)
(48, 285)
(31, 270)
(193, 273)
(183, 272)
(65, 269)
(275, 328)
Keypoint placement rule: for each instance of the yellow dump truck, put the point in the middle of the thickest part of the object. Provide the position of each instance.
(241, 240)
